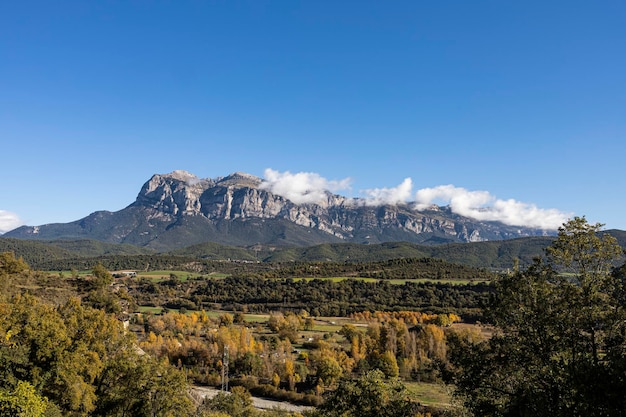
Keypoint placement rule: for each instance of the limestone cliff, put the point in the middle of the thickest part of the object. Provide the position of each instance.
(179, 209)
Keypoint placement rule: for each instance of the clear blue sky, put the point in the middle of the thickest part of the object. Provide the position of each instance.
(522, 100)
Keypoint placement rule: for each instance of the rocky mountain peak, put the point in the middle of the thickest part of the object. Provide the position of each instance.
(241, 196)
(182, 175)
(175, 193)
(178, 209)
(239, 180)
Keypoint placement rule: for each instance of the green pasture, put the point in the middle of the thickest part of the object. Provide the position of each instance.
(396, 281)
(159, 275)
(163, 275)
(214, 314)
(256, 318)
(326, 328)
(218, 275)
(149, 309)
(432, 394)
(68, 274)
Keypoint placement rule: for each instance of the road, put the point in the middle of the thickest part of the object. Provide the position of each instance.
(258, 402)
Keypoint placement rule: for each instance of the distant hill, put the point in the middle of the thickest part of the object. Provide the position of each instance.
(499, 254)
(215, 251)
(36, 253)
(176, 210)
(89, 247)
(496, 254)
(493, 255)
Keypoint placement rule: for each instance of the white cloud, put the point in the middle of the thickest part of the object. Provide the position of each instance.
(481, 205)
(302, 187)
(8, 221)
(310, 187)
(395, 195)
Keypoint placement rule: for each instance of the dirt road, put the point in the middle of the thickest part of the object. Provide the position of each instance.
(258, 402)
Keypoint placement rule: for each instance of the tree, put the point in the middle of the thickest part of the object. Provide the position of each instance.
(83, 362)
(10, 265)
(142, 386)
(388, 364)
(101, 276)
(328, 369)
(560, 338)
(237, 403)
(226, 319)
(287, 326)
(371, 395)
(23, 401)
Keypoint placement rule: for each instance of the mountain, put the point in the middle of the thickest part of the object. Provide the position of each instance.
(179, 209)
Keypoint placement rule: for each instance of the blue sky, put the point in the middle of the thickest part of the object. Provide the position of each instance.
(516, 106)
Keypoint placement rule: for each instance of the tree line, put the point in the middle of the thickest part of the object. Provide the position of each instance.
(320, 297)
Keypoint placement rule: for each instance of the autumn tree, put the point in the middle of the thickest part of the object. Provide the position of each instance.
(142, 386)
(560, 338)
(23, 401)
(101, 276)
(10, 268)
(287, 326)
(83, 361)
(328, 368)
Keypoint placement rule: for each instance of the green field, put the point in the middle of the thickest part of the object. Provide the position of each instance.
(256, 318)
(396, 281)
(161, 275)
(152, 310)
(164, 275)
(430, 394)
(68, 274)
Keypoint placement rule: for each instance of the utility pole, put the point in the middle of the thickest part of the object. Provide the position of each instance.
(225, 369)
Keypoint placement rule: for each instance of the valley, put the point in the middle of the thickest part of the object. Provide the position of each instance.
(289, 328)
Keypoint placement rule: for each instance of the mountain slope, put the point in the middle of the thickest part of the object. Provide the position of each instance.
(178, 209)
(493, 255)
(36, 253)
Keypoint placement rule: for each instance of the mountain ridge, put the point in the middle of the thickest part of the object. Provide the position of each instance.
(179, 209)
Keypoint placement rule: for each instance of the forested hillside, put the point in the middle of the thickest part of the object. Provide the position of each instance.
(500, 255)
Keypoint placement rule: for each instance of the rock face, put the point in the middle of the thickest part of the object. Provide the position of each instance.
(180, 209)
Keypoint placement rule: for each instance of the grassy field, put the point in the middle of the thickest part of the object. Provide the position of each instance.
(152, 310)
(164, 275)
(69, 274)
(397, 281)
(256, 318)
(438, 395)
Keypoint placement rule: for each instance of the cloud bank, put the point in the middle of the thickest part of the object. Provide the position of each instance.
(303, 187)
(309, 187)
(395, 195)
(8, 221)
(481, 205)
